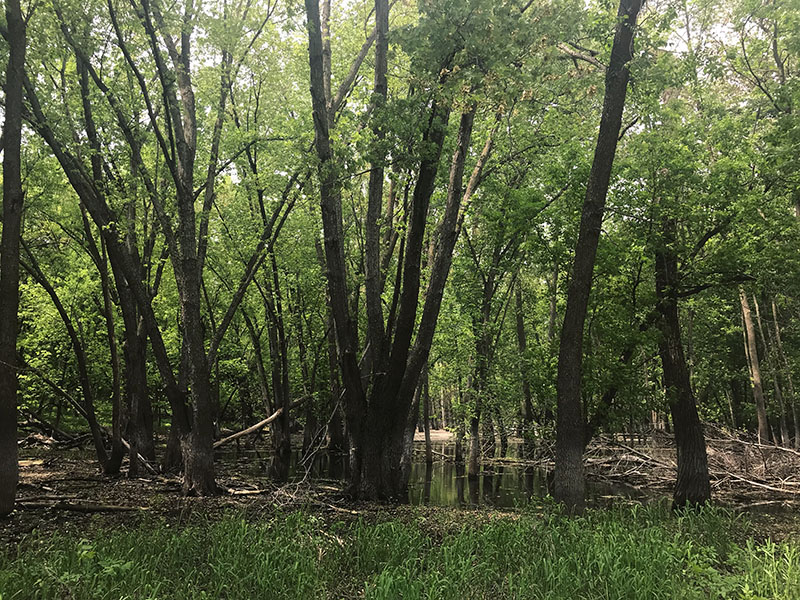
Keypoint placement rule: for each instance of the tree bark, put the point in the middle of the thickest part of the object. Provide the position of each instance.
(569, 484)
(378, 412)
(692, 486)
(13, 198)
(117, 449)
(372, 263)
(751, 350)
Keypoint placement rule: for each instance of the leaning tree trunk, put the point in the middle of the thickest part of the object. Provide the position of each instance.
(569, 484)
(788, 372)
(80, 355)
(774, 371)
(9, 256)
(754, 368)
(692, 486)
(117, 450)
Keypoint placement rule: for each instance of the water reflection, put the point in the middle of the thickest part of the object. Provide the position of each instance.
(446, 484)
(442, 483)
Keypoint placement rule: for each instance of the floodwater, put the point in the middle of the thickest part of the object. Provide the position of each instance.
(445, 482)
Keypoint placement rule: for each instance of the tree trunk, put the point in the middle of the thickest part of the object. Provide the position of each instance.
(278, 350)
(117, 449)
(426, 399)
(788, 374)
(501, 428)
(378, 423)
(569, 484)
(774, 372)
(140, 420)
(692, 486)
(527, 407)
(755, 369)
(474, 458)
(9, 256)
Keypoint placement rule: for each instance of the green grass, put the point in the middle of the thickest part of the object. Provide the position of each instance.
(619, 553)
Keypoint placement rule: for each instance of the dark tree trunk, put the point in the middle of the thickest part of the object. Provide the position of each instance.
(692, 486)
(459, 449)
(488, 438)
(474, 457)
(501, 428)
(9, 255)
(278, 349)
(569, 484)
(117, 449)
(140, 419)
(377, 415)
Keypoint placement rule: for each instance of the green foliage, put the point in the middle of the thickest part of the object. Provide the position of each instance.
(640, 552)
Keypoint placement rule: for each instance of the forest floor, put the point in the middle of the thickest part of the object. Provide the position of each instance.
(62, 490)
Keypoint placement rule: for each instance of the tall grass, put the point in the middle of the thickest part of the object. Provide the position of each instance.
(644, 552)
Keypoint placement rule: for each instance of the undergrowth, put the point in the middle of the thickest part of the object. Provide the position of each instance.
(641, 552)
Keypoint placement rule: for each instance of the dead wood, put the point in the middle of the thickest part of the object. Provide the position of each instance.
(249, 430)
(83, 507)
(260, 424)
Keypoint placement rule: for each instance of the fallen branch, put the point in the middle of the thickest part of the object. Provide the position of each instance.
(249, 430)
(765, 486)
(260, 424)
(734, 440)
(46, 427)
(86, 507)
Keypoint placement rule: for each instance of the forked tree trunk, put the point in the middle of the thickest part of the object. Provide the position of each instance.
(569, 484)
(378, 422)
(692, 486)
(9, 256)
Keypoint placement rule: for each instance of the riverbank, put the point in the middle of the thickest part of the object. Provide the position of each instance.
(409, 552)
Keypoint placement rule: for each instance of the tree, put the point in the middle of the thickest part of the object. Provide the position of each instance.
(569, 486)
(13, 196)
